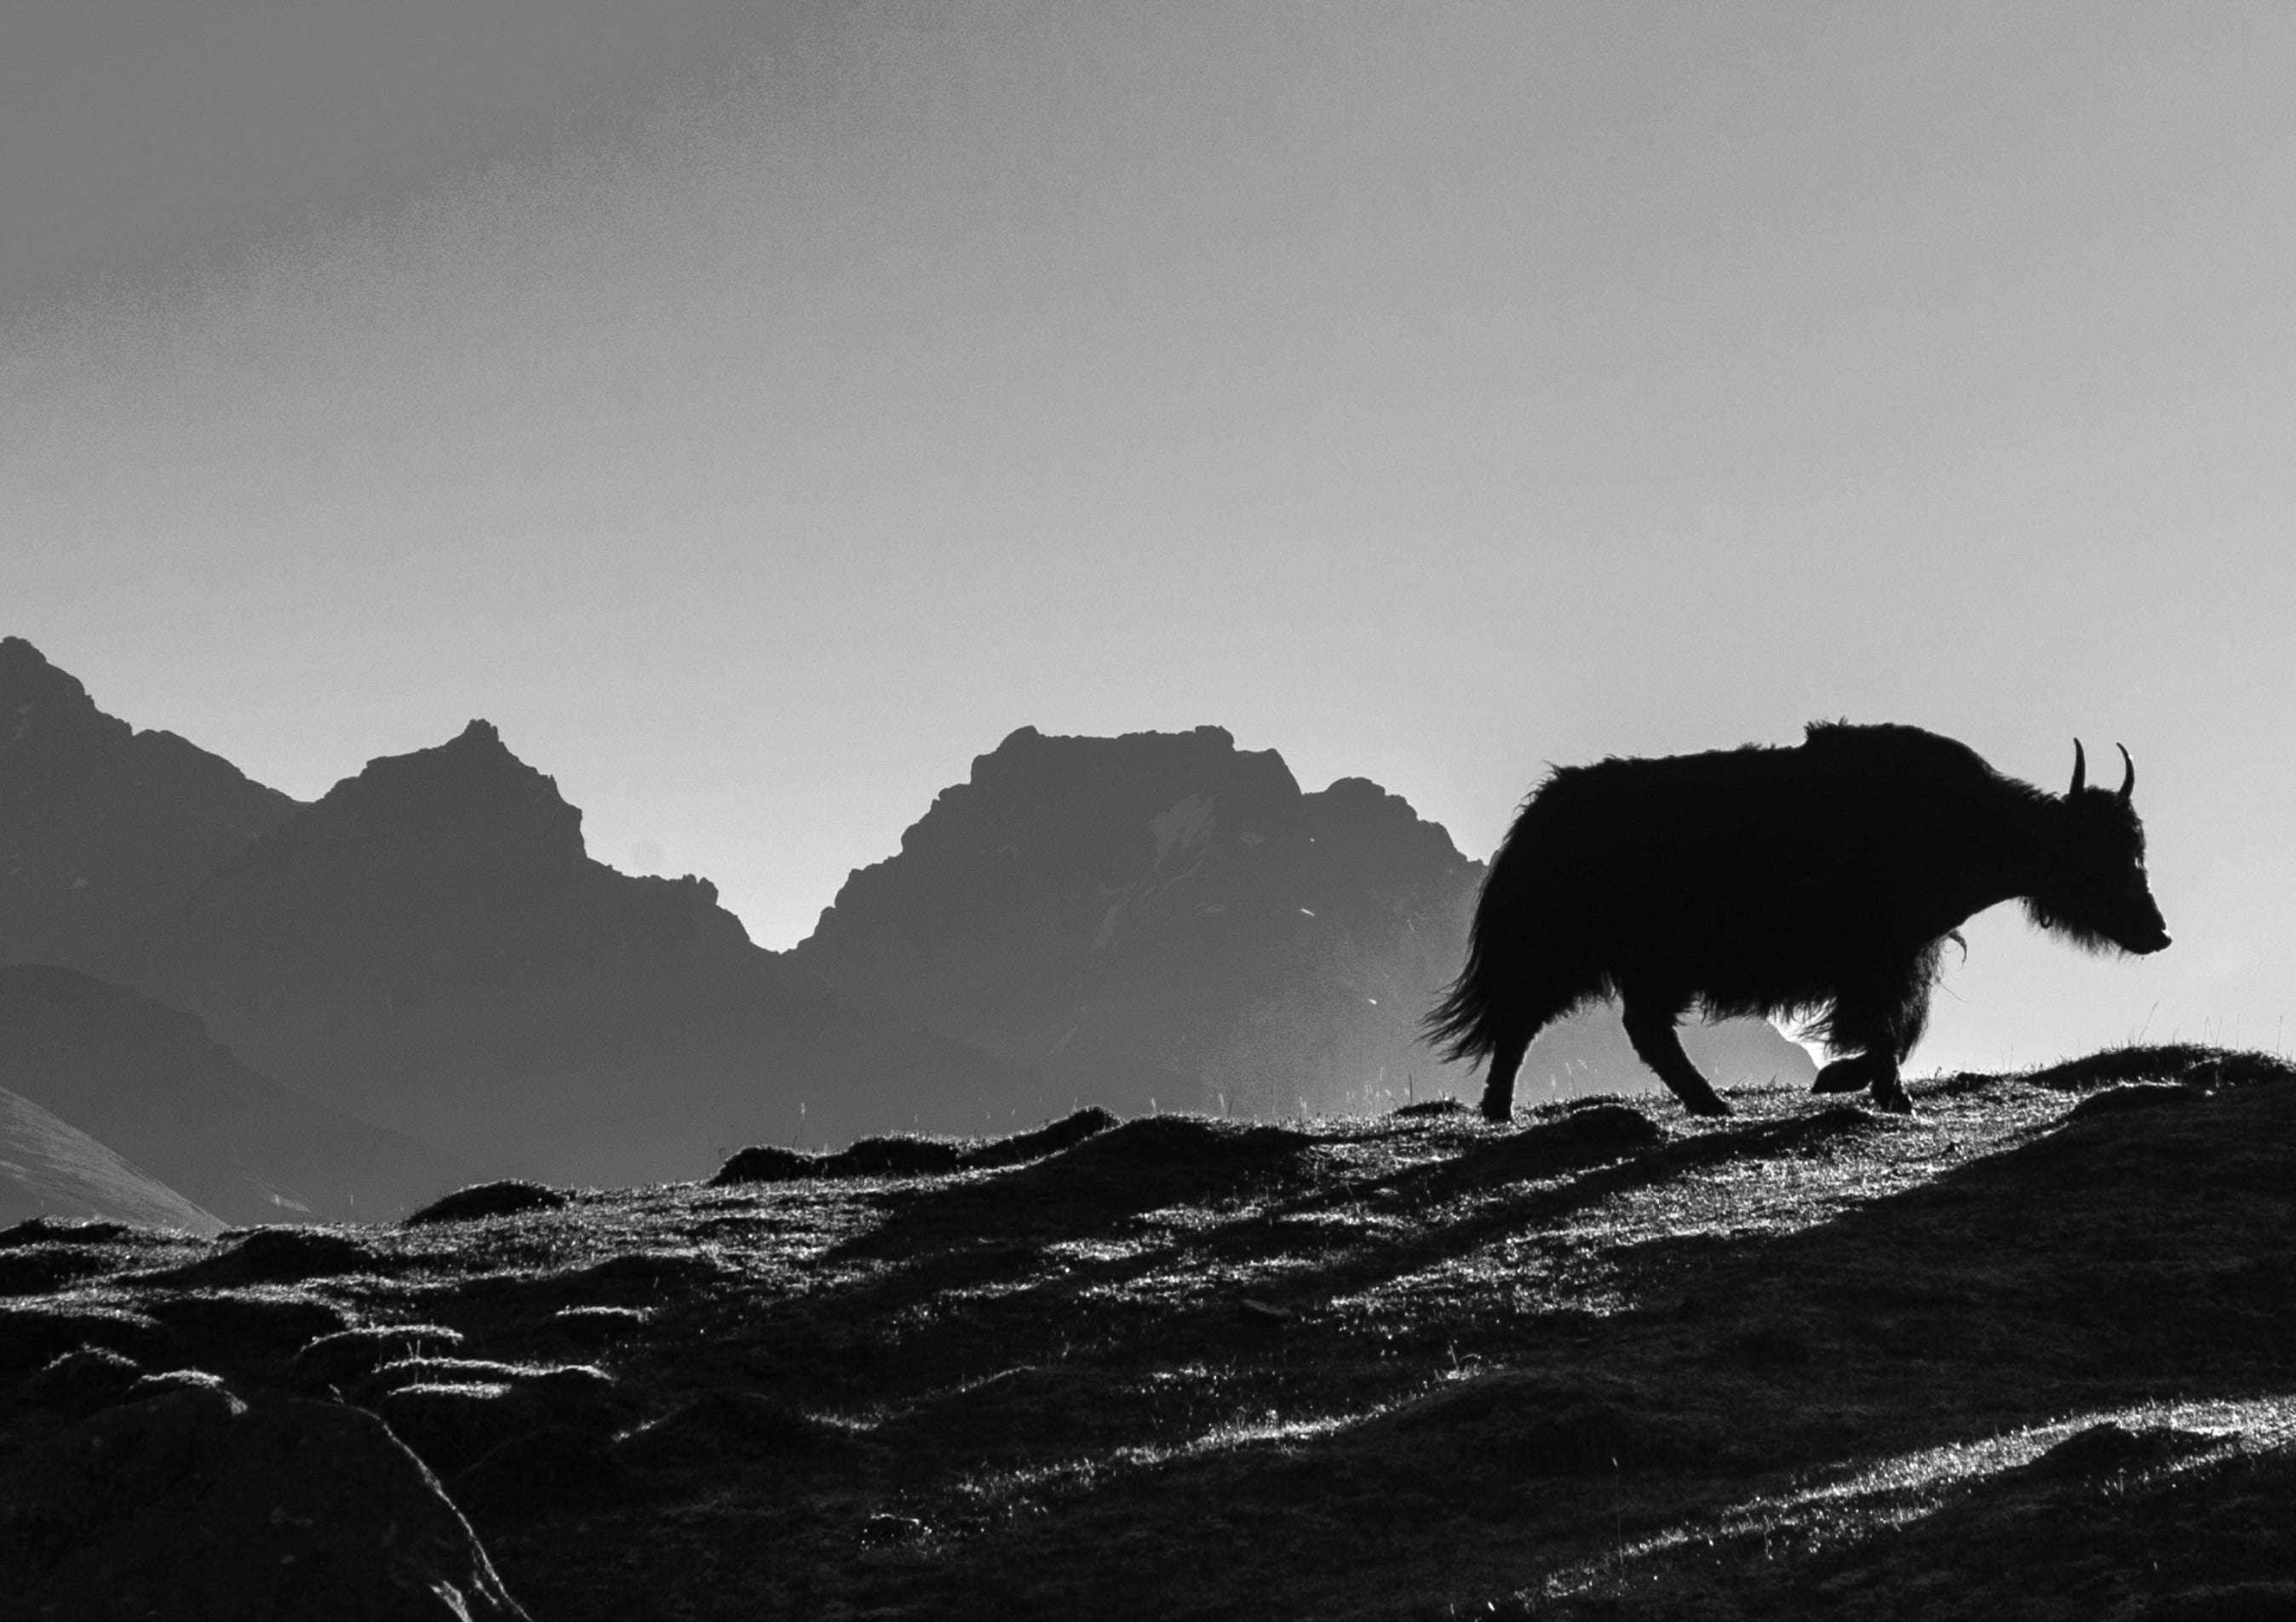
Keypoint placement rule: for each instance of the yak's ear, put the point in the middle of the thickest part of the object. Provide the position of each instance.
(2128, 777)
(2080, 769)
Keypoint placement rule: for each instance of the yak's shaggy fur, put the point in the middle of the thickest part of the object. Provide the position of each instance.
(1818, 881)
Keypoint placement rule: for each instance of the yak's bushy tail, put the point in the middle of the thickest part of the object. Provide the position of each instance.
(1459, 1025)
(1455, 1024)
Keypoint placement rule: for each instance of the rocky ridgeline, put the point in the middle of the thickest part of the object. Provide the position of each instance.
(101, 825)
(1166, 917)
(2024, 1352)
(429, 946)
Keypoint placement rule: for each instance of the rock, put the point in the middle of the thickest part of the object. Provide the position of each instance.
(502, 1199)
(196, 1504)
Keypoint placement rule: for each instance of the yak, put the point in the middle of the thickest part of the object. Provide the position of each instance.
(1817, 881)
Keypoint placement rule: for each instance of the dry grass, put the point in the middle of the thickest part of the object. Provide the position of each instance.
(1806, 1360)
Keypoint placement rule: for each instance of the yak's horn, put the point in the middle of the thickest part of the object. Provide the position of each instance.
(2080, 769)
(2127, 778)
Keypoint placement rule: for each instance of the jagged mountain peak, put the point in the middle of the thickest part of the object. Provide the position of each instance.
(470, 793)
(27, 677)
(101, 825)
(1162, 916)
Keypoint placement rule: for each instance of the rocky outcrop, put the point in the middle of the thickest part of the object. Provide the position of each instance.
(429, 947)
(100, 824)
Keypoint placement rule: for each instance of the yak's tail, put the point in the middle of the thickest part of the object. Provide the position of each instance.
(1455, 1024)
(1459, 1024)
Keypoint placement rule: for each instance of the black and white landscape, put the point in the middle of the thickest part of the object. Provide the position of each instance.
(741, 745)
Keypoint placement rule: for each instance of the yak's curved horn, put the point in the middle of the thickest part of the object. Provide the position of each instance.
(2080, 769)
(2128, 777)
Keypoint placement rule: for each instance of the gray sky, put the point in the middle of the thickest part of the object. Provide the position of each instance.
(759, 413)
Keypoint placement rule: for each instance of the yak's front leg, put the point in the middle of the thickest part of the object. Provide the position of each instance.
(1854, 1073)
(1650, 1023)
(1880, 1022)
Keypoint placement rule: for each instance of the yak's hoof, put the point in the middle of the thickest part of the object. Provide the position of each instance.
(1893, 1099)
(1843, 1077)
(1713, 1105)
(1498, 1112)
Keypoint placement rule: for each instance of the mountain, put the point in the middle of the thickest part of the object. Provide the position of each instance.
(149, 1083)
(50, 1168)
(429, 946)
(100, 824)
(1165, 916)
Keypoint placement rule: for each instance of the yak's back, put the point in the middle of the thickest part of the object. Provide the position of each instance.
(1891, 754)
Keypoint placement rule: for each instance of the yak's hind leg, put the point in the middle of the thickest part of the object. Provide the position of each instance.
(1650, 1026)
(1498, 1086)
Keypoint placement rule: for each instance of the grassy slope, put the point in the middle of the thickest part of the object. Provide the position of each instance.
(2026, 1353)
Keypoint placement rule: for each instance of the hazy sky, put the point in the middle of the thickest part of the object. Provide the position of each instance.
(759, 414)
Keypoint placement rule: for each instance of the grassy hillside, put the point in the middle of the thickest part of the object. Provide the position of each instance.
(2027, 1352)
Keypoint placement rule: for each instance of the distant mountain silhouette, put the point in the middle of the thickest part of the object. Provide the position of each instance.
(50, 1168)
(148, 1082)
(100, 824)
(429, 946)
(1165, 916)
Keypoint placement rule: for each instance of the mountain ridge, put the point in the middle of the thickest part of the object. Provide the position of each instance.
(430, 947)
(102, 824)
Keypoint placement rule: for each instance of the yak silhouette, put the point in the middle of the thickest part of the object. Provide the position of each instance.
(1818, 881)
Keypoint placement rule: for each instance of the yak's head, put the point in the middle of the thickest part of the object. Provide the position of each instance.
(2092, 887)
